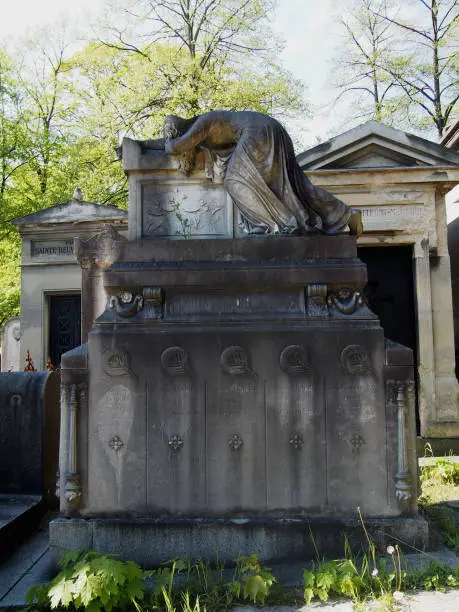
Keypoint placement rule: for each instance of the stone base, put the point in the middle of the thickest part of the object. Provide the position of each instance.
(151, 542)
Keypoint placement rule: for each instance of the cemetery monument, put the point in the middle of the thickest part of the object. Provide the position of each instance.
(235, 389)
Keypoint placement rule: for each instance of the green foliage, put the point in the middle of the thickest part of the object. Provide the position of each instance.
(434, 577)
(97, 583)
(354, 579)
(92, 582)
(196, 585)
(439, 480)
(256, 581)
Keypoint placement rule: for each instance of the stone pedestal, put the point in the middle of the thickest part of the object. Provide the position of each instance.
(235, 382)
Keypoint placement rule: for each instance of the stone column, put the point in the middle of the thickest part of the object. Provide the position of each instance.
(444, 422)
(73, 445)
(94, 256)
(426, 363)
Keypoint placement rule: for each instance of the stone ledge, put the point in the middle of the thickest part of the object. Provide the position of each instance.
(151, 542)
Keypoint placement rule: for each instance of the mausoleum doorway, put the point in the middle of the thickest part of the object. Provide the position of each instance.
(390, 290)
(64, 325)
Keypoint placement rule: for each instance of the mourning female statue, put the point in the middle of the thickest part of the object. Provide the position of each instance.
(254, 155)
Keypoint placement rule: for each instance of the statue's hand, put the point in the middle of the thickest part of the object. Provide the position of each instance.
(355, 222)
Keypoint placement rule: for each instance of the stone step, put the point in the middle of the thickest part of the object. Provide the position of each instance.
(19, 517)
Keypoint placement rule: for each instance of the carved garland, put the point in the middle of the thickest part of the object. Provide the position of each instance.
(345, 300)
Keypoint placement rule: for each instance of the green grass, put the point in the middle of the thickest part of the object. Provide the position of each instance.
(440, 483)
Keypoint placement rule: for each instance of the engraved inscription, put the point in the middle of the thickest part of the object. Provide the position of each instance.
(242, 388)
(389, 217)
(260, 303)
(59, 248)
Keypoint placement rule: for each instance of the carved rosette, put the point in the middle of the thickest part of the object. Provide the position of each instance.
(294, 359)
(234, 361)
(355, 360)
(174, 361)
(317, 301)
(175, 442)
(153, 298)
(116, 443)
(345, 300)
(296, 442)
(357, 441)
(235, 442)
(403, 480)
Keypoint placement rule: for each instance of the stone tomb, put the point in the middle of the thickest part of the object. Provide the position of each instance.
(233, 392)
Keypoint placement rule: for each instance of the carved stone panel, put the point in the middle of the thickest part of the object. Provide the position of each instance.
(191, 210)
(116, 444)
(356, 427)
(236, 477)
(176, 452)
(295, 442)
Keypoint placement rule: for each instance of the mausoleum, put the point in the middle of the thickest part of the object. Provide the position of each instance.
(51, 277)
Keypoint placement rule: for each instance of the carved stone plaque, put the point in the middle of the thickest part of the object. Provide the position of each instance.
(193, 210)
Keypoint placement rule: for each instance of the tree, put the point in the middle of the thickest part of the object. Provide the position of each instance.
(202, 53)
(403, 60)
(426, 71)
(358, 66)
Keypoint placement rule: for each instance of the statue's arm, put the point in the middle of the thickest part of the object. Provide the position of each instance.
(156, 144)
(191, 139)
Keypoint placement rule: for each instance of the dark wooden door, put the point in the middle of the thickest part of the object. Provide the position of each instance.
(65, 325)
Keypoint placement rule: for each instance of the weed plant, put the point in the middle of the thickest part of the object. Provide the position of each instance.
(97, 583)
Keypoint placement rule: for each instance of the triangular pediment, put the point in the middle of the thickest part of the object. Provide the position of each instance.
(73, 211)
(374, 145)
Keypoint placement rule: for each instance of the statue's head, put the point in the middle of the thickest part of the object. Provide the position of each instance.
(174, 126)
